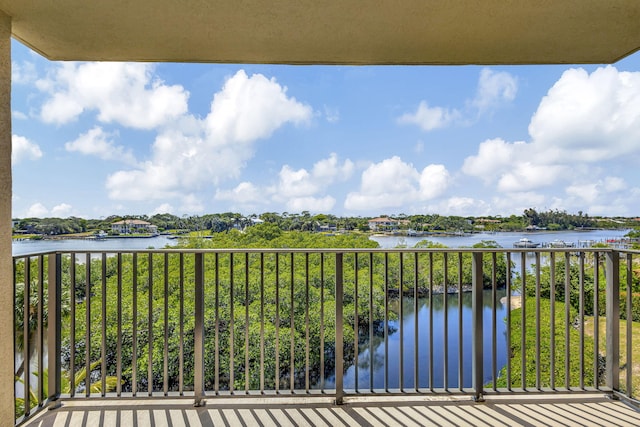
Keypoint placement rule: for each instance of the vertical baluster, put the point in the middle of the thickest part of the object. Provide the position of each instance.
(246, 323)
(581, 316)
(277, 377)
(232, 336)
(198, 333)
(612, 299)
(356, 329)
(54, 329)
(306, 322)
(40, 343)
(134, 331)
(216, 356)
(119, 324)
(537, 293)
(165, 373)
(596, 319)
(371, 321)
(292, 360)
(494, 320)
(567, 320)
(552, 326)
(445, 324)
(386, 322)
(460, 341)
(72, 326)
(509, 325)
(150, 330)
(477, 327)
(416, 347)
(401, 323)
(87, 302)
(629, 323)
(430, 321)
(339, 331)
(321, 321)
(262, 322)
(103, 349)
(523, 335)
(26, 344)
(181, 326)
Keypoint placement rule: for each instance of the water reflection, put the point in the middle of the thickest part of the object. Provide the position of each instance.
(442, 343)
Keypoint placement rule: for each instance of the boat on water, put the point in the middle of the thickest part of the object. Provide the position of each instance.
(100, 235)
(525, 243)
(557, 243)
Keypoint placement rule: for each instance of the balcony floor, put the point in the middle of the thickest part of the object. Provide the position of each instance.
(567, 410)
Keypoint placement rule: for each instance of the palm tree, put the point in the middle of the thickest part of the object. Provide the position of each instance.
(65, 385)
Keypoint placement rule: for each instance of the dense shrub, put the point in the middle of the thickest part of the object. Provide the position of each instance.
(543, 361)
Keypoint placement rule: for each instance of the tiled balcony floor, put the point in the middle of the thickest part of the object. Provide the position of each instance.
(571, 410)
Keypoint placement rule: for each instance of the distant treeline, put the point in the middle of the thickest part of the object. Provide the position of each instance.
(305, 221)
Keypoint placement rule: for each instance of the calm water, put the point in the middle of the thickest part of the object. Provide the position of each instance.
(439, 340)
(32, 246)
(505, 240)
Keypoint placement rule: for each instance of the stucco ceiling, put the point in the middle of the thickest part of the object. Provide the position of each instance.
(330, 32)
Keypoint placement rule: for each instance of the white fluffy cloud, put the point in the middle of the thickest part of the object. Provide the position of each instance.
(97, 142)
(302, 190)
(591, 192)
(22, 148)
(430, 118)
(297, 189)
(190, 203)
(62, 210)
(124, 93)
(589, 117)
(583, 121)
(393, 183)
(38, 210)
(163, 208)
(494, 89)
(244, 193)
(196, 153)
(461, 206)
(23, 72)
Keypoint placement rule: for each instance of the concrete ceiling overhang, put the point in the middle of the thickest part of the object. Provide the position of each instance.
(331, 31)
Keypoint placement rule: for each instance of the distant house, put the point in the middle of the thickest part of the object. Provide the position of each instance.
(128, 226)
(382, 223)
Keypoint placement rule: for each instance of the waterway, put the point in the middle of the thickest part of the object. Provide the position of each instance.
(506, 240)
(22, 247)
(417, 323)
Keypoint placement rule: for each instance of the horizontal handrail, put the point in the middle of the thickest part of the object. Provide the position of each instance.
(339, 321)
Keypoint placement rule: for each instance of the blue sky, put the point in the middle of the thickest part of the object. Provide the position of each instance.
(96, 139)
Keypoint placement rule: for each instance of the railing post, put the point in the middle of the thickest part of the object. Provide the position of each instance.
(339, 333)
(54, 330)
(198, 334)
(476, 328)
(613, 319)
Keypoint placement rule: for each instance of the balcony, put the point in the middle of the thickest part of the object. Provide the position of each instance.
(323, 336)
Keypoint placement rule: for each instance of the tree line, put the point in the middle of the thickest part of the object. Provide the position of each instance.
(305, 221)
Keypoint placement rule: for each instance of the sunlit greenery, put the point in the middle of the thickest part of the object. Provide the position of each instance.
(540, 363)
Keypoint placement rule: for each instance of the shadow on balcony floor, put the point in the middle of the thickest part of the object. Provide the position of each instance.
(592, 410)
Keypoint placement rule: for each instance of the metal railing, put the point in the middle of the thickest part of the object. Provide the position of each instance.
(340, 322)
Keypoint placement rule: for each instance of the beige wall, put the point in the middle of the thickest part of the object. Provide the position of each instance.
(6, 283)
